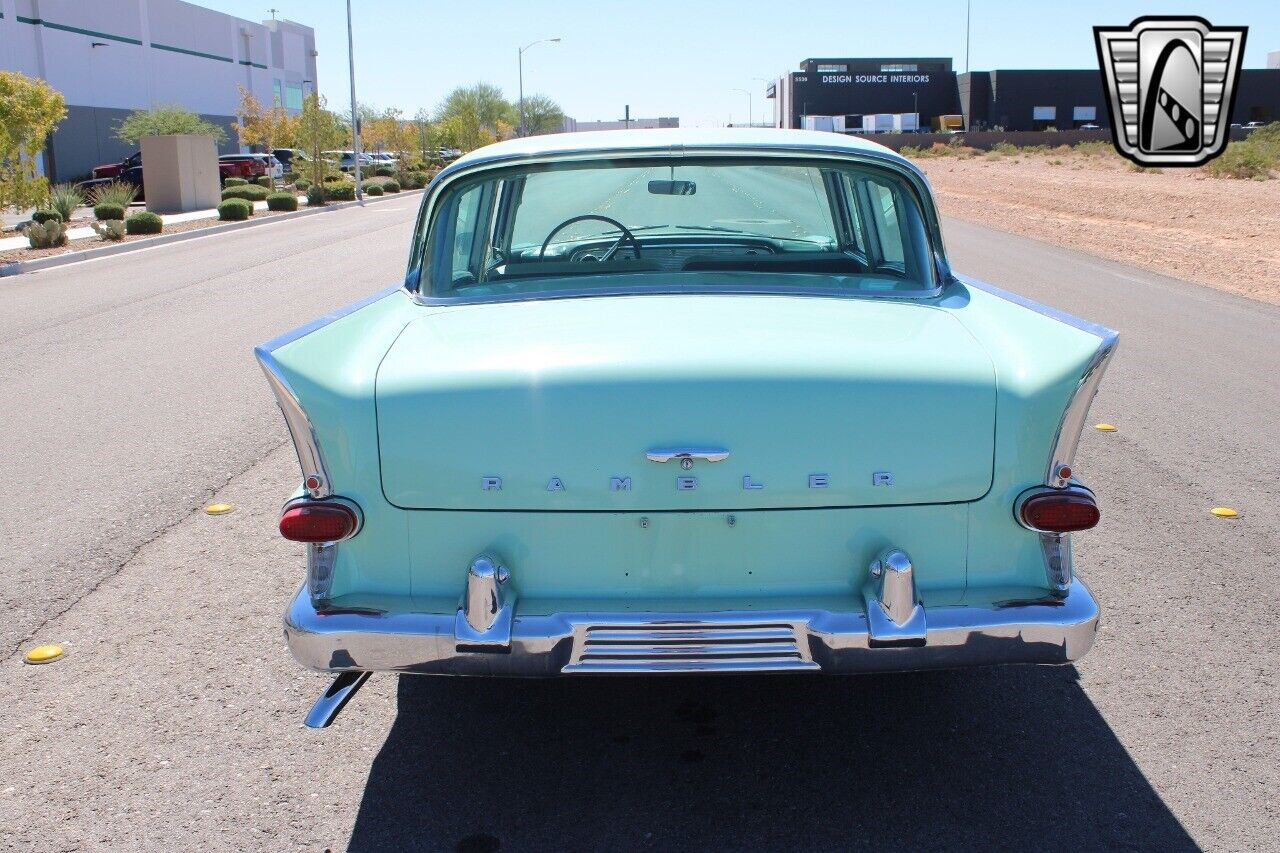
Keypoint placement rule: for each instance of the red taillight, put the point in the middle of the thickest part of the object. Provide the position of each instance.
(318, 522)
(1060, 512)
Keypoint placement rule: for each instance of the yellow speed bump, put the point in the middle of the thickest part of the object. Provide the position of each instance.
(44, 654)
(218, 509)
(1224, 512)
(1105, 427)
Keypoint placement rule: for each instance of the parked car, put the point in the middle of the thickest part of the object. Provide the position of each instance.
(672, 435)
(385, 158)
(346, 160)
(1090, 126)
(292, 159)
(129, 171)
(253, 166)
(1254, 124)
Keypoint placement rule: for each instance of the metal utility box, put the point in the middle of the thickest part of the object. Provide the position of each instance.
(180, 173)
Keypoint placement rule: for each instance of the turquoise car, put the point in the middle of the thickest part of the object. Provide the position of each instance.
(682, 401)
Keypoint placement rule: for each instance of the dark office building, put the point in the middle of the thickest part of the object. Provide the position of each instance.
(849, 89)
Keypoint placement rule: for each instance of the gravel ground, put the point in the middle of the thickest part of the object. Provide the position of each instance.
(1179, 222)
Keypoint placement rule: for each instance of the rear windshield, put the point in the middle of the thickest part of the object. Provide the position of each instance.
(691, 224)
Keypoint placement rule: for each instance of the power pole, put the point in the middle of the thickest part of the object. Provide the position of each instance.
(968, 7)
(355, 117)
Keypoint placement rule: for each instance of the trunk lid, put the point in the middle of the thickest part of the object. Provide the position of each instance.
(560, 401)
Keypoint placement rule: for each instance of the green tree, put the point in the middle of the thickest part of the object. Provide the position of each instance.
(164, 120)
(477, 115)
(29, 111)
(318, 130)
(268, 128)
(542, 115)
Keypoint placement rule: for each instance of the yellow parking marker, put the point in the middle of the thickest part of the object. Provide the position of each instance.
(1224, 512)
(44, 654)
(1105, 427)
(218, 509)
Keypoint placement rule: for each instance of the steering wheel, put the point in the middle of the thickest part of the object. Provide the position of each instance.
(626, 235)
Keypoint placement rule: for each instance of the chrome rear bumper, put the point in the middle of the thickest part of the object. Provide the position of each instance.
(1044, 631)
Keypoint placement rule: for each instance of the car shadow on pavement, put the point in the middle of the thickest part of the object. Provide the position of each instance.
(1013, 758)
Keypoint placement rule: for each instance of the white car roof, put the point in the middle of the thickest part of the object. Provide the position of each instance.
(727, 137)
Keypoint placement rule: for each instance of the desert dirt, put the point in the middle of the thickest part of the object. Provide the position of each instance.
(1224, 233)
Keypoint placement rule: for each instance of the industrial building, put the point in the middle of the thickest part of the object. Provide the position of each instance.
(857, 95)
(111, 57)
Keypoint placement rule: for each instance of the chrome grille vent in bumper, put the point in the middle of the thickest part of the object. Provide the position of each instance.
(689, 647)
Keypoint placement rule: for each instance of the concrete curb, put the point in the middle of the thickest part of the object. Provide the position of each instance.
(19, 267)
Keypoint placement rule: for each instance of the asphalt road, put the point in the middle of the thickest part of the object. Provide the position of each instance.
(131, 398)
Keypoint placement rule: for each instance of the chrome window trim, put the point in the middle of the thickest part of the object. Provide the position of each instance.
(886, 159)
(668, 290)
(1067, 437)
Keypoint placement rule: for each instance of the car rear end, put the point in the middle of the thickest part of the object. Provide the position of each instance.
(687, 481)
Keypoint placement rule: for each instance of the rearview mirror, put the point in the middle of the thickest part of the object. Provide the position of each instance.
(672, 187)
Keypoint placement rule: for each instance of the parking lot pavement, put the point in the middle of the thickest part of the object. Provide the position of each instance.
(175, 718)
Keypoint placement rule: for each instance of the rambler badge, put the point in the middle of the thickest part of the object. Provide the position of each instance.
(1171, 85)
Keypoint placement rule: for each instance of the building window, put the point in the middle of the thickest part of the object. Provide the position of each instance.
(1084, 113)
(293, 96)
(832, 69)
(1043, 117)
(898, 67)
(279, 101)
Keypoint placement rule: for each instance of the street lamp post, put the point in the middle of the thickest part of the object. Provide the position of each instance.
(520, 62)
(915, 107)
(750, 109)
(355, 118)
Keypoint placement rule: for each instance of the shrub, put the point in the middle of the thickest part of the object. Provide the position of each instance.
(46, 235)
(235, 210)
(1094, 148)
(249, 192)
(282, 201)
(43, 216)
(108, 210)
(111, 229)
(373, 189)
(234, 182)
(414, 180)
(339, 191)
(116, 192)
(391, 185)
(301, 184)
(1004, 148)
(1241, 160)
(265, 181)
(384, 171)
(315, 195)
(65, 198)
(144, 222)
(289, 177)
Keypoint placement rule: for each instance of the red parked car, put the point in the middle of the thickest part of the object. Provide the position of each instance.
(229, 166)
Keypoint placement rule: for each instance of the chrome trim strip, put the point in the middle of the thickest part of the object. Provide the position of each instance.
(886, 159)
(666, 454)
(1070, 427)
(320, 322)
(301, 430)
(1042, 631)
(1067, 437)
(740, 289)
(1039, 307)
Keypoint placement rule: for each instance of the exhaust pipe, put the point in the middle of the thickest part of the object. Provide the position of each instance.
(333, 700)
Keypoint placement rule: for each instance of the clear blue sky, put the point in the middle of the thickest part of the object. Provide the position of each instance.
(685, 58)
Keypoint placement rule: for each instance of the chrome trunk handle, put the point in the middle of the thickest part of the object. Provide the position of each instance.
(666, 454)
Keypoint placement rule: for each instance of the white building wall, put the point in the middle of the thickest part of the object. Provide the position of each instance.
(107, 56)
